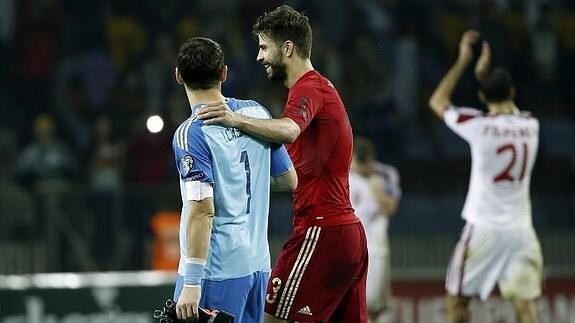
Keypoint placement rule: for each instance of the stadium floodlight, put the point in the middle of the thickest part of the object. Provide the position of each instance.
(155, 124)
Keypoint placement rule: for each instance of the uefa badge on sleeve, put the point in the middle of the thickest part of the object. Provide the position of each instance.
(187, 164)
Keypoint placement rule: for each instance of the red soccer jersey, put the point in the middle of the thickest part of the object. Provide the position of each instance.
(321, 154)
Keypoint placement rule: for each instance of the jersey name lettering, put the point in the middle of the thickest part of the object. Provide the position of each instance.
(498, 132)
(231, 134)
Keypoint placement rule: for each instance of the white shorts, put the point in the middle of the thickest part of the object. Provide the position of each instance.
(484, 257)
(378, 279)
(378, 282)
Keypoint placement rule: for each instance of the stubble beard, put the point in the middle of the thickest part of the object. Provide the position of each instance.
(278, 73)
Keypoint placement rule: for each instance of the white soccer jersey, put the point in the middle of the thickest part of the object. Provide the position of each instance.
(503, 150)
(390, 177)
(367, 209)
(366, 206)
(362, 199)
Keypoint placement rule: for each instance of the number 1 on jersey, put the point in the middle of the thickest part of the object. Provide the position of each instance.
(505, 174)
(246, 160)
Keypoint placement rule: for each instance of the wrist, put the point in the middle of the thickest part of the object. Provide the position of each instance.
(480, 75)
(193, 272)
(240, 121)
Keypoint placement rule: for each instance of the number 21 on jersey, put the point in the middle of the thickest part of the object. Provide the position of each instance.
(515, 168)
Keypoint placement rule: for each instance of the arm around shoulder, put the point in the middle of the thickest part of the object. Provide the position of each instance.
(282, 131)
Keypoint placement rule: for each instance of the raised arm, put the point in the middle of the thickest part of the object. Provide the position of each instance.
(281, 131)
(441, 97)
(483, 62)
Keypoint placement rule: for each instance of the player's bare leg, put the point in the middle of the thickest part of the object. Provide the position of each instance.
(272, 319)
(457, 310)
(378, 316)
(381, 317)
(526, 311)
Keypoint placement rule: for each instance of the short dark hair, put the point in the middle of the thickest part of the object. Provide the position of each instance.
(200, 63)
(364, 150)
(286, 23)
(496, 85)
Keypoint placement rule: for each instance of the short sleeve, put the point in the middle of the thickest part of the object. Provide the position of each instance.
(280, 160)
(302, 105)
(463, 121)
(192, 153)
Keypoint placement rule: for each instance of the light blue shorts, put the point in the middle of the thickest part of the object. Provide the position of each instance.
(242, 297)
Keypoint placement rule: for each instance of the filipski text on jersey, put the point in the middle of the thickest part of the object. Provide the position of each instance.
(231, 134)
(500, 132)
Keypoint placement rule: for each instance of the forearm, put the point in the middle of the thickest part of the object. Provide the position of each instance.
(441, 97)
(385, 202)
(280, 131)
(389, 205)
(199, 229)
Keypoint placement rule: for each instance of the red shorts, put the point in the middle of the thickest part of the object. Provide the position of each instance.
(320, 275)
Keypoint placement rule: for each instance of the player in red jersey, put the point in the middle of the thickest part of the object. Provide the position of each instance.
(320, 274)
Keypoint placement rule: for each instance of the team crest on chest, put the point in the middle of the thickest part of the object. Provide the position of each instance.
(187, 163)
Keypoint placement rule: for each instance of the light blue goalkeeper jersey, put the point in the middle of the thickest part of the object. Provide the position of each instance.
(239, 166)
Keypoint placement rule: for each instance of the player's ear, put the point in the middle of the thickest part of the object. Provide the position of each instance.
(512, 93)
(288, 48)
(224, 74)
(179, 78)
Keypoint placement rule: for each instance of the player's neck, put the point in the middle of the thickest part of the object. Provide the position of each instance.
(505, 107)
(204, 96)
(296, 71)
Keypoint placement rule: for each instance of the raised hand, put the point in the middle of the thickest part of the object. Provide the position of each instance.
(484, 61)
(465, 52)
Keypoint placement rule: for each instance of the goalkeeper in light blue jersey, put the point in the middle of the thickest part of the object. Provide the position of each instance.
(225, 179)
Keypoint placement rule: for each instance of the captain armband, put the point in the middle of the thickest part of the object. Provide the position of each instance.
(197, 191)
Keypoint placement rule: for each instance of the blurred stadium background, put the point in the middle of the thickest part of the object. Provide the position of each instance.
(99, 203)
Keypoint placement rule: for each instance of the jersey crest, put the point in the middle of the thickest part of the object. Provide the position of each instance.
(187, 164)
(303, 108)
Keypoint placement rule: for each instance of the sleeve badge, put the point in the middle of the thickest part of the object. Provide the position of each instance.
(187, 164)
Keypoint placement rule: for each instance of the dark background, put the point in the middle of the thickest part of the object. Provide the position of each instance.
(98, 69)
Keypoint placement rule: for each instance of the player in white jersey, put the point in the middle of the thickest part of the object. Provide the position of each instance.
(225, 183)
(374, 192)
(498, 244)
